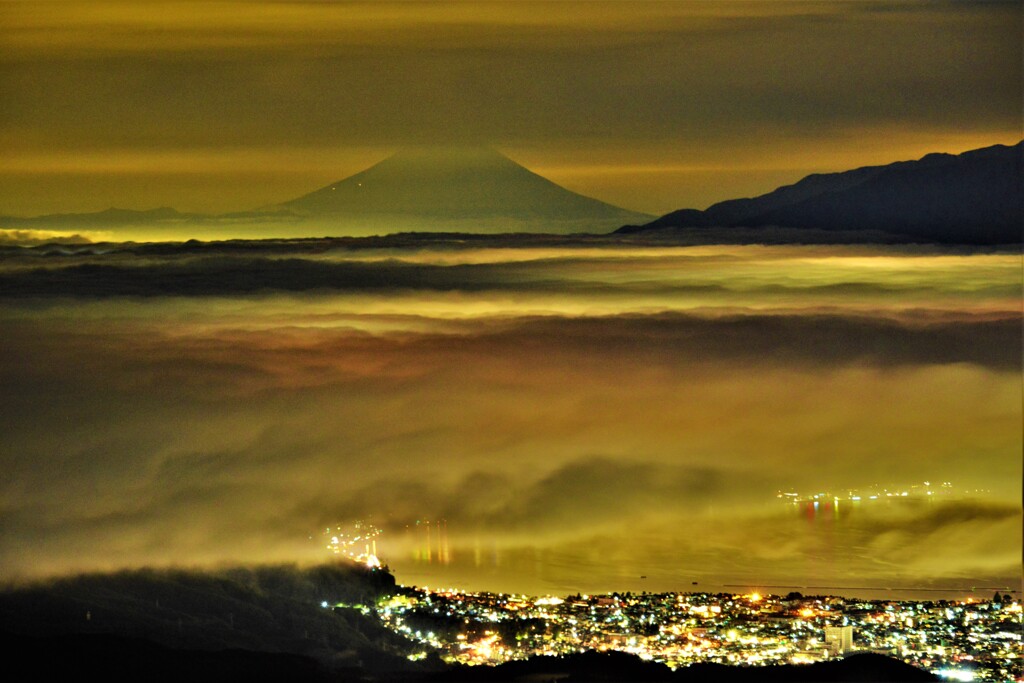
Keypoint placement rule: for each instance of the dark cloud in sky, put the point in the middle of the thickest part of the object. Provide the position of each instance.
(670, 69)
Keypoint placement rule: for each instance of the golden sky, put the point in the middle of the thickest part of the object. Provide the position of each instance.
(221, 106)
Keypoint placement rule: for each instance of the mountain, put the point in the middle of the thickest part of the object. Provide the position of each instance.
(458, 189)
(472, 189)
(108, 217)
(160, 224)
(265, 608)
(120, 659)
(971, 198)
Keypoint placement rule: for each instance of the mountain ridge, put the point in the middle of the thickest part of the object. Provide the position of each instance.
(458, 189)
(970, 198)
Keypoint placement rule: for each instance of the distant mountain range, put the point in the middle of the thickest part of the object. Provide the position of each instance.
(454, 189)
(971, 198)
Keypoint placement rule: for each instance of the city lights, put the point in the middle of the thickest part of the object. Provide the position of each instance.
(961, 640)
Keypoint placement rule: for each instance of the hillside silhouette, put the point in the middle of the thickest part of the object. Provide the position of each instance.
(971, 198)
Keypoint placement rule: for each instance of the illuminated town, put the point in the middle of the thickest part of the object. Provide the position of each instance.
(357, 542)
(959, 640)
(925, 491)
(963, 640)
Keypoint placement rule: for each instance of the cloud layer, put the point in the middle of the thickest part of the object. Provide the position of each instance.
(574, 416)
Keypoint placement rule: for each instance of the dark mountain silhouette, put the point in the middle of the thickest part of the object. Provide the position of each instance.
(108, 217)
(163, 221)
(971, 198)
(117, 659)
(274, 609)
(476, 188)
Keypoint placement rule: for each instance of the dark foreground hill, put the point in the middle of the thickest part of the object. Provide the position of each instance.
(273, 609)
(971, 198)
(115, 659)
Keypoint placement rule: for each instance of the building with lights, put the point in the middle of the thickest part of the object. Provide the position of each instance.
(839, 640)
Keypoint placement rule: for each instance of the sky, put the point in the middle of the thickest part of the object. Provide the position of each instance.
(226, 106)
(575, 417)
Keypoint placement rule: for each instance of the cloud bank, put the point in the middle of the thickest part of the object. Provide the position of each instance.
(573, 418)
